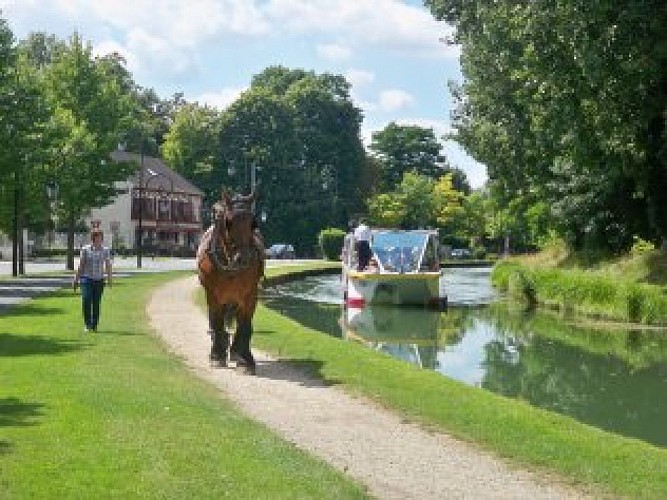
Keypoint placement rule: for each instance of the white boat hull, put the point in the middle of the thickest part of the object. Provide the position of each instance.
(392, 289)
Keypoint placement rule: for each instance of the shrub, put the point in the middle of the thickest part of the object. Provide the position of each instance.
(522, 287)
(331, 242)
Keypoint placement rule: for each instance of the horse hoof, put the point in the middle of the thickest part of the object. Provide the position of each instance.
(216, 362)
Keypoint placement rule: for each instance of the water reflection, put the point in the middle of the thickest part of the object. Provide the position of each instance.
(408, 334)
(612, 379)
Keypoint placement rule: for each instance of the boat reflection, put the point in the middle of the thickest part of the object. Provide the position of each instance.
(408, 334)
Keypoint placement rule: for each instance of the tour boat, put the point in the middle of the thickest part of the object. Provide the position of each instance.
(404, 269)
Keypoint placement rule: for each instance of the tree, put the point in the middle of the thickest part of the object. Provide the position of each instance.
(22, 119)
(418, 201)
(406, 148)
(192, 147)
(301, 132)
(89, 109)
(566, 100)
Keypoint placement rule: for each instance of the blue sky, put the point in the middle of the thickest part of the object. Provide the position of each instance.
(389, 50)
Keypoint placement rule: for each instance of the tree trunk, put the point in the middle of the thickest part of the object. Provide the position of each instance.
(70, 243)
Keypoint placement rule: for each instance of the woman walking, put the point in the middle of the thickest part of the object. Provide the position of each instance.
(90, 274)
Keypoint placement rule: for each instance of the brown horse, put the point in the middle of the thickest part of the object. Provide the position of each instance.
(230, 261)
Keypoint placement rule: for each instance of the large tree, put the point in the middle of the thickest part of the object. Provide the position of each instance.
(300, 133)
(406, 148)
(565, 102)
(22, 119)
(89, 109)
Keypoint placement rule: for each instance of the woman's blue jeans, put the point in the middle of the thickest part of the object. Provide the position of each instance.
(91, 296)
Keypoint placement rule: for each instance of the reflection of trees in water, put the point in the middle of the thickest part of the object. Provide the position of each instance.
(453, 324)
(315, 315)
(580, 372)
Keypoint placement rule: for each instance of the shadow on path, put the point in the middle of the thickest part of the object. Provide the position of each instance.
(305, 372)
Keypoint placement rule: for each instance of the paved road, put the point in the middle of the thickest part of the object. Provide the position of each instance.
(16, 290)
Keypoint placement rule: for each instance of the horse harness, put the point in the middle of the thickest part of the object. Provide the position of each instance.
(229, 257)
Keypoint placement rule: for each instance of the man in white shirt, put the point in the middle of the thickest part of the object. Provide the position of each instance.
(362, 235)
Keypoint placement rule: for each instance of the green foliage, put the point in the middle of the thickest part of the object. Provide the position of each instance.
(595, 293)
(331, 242)
(192, 147)
(118, 416)
(566, 101)
(418, 201)
(406, 148)
(301, 131)
(641, 246)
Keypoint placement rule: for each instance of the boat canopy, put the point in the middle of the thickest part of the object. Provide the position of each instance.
(405, 251)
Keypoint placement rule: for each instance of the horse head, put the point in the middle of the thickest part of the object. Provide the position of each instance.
(238, 218)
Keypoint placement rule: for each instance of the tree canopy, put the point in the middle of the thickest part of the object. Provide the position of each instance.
(565, 103)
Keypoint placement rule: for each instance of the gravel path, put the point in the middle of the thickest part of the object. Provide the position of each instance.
(394, 459)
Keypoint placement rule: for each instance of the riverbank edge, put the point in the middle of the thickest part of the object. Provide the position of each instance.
(589, 294)
(593, 459)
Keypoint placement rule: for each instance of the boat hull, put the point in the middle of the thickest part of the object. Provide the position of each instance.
(364, 288)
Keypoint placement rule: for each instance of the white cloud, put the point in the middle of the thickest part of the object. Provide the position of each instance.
(386, 23)
(359, 77)
(394, 99)
(334, 52)
(222, 99)
(158, 55)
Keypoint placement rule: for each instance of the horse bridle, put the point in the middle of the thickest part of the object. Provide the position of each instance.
(234, 257)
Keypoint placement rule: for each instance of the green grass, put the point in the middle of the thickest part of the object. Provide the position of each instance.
(630, 288)
(87, 417)
(114, 415)
(597, 460)
(510, 428)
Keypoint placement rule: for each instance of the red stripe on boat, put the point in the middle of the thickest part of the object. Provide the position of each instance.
(358, 302)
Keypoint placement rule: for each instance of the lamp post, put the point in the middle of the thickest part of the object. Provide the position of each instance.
(141, 207)
(52, 195)
(143, 186)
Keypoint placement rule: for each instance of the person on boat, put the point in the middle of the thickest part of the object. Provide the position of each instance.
(347, 252)
(362, 235)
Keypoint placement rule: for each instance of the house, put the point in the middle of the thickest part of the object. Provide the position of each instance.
(156, 203)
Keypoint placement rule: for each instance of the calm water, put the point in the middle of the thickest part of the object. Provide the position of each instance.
(612, 379)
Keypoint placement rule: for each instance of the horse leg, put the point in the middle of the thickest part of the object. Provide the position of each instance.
(219, 335)
(240, 350)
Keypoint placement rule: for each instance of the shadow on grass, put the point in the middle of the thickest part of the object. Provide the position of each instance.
(21, 345)
(17, 413)
(5, 448)
(28, 309)
(118, 333)
(306, 372)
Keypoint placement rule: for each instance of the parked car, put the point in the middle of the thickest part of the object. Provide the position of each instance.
(461, 253)
(280, 251)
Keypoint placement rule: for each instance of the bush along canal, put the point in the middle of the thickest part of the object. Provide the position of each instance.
(612, 379)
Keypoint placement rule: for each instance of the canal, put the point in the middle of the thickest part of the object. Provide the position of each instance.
(610, 377)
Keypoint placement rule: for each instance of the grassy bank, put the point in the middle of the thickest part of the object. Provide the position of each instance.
(115, 415)
(529, 436)
(630, 289)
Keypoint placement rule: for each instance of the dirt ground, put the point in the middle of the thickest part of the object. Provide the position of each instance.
(392, 458)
